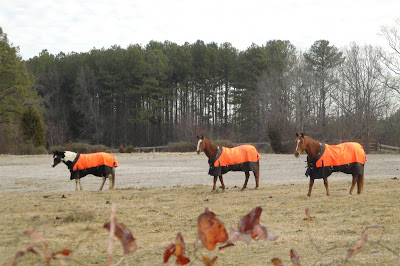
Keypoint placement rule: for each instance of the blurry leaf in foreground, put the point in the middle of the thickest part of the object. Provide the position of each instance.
(294, 258)
(211, 230)
(247, 223)
(177, 249)
(309, 219)
(207, 261)
(125, 237)
(250, 228)
(357, 246)
(371, 226)
(36, 235)
(238, 236)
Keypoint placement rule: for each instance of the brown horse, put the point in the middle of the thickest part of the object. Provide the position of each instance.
(243, 158)
(323, 159)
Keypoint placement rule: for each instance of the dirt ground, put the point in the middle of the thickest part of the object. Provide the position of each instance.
(35, 174)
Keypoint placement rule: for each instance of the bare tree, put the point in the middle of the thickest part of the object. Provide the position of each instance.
(362, 98)
(391, 58)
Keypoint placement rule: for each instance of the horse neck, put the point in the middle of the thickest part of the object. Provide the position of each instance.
(69, 156)
(312, 147)
(210, 149)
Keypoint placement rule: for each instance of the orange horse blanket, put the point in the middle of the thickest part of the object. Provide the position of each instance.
(348, 157)
(91, 160)
(345, 153)
(98, 164)
(240, 158)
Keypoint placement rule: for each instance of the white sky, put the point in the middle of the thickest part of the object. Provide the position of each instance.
(78, 26)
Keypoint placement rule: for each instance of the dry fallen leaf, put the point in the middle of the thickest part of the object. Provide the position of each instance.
(211, 230)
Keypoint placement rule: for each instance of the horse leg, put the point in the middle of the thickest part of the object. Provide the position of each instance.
(113, 177)
(76, 184)
(215, 181)
(247, 174)
(110, 181)
(326, 186)
(102, 184)
(79, 182)
(353, 183)
(310, 186)
(257, 175)
(360, 183)
(222, 182)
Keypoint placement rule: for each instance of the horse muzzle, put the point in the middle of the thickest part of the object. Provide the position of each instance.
(198, 152)
(296, 154)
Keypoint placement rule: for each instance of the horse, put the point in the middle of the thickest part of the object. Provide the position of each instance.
(323, 159)
(243, 158)
(99, 164)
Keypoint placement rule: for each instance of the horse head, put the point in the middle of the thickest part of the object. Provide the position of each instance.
(58, 156)
(66, 157)
(300, 144)
(200, 144)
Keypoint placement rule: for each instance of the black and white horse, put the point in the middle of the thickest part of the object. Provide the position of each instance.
(99, 164)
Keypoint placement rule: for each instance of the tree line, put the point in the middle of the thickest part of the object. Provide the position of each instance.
(164, 92)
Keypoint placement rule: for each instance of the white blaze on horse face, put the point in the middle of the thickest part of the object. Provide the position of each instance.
(198, 145)
(297, 146)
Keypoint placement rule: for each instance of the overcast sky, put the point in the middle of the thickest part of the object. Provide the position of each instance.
(78, 26)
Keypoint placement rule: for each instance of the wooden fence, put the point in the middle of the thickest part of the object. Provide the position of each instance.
(371, 146)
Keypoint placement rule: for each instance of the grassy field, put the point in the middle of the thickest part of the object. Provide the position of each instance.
(156, 215)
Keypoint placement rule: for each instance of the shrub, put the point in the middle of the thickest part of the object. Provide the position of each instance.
(180, 147)
(225, 143)
(80, 147)
(276, 140)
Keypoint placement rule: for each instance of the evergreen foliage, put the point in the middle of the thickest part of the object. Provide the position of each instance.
(16, 91)
(33, 127)
(163, 93)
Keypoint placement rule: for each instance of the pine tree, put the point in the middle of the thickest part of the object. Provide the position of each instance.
(32, 127)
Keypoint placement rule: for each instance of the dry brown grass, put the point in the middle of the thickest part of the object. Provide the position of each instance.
(156, 215)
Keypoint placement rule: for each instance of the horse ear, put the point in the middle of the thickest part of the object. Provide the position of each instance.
(202, 137)
(198, 137)
(302, 135)
(297, 134)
